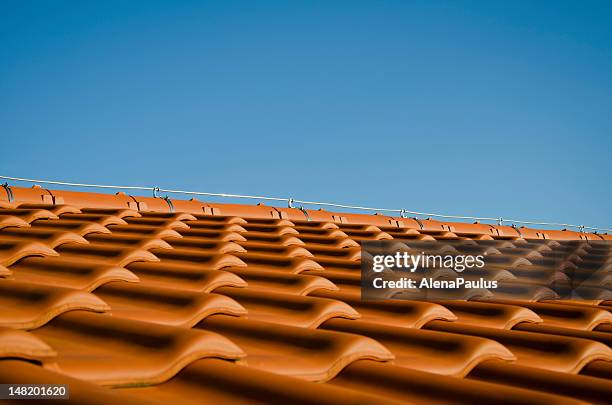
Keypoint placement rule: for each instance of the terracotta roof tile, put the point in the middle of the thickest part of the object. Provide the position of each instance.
(401, 313)
(156, 223)
(102, 219)
(573, 317)
(332, 242)
(81, 392)
(592, 390)
(311, 354)
(57, 209)
(12, 250)
(276, 281)
(324, 252)
(595, 335)
(189, 277)
(404, 384)
(493, 315)
(198, 255)
(217, 219)
(80, 227)
(165, 306)
(294, 265)
(216, 224)
(228, 236)
(121, 352)
(48, 237)
(288, 309)
(174, 222)
(9, 221)
(273, 249)
(29, 306)
(435, 352)
(18, 344)
(65, 272)
(121, 212)
(172, 301)
(29, 214)
(556, 353)
(224, 382)
(127, 240)
(107, 254)
(177, 216)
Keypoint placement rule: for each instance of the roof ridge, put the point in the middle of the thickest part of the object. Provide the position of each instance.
(291, 201)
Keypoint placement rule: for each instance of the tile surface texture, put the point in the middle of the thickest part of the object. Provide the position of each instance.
(142, 300)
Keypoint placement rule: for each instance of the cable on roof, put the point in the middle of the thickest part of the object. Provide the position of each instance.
(291, 201)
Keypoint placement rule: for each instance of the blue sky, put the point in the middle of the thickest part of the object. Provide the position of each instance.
(475, 108)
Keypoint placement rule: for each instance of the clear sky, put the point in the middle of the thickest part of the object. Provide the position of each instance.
(476, 108)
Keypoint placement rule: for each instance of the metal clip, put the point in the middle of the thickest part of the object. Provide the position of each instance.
(167, 199)
(9, 192)
(301, 208)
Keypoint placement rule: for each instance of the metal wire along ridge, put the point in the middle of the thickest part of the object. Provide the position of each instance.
(292, 201)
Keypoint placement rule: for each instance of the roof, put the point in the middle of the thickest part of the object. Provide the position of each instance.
(150, 300)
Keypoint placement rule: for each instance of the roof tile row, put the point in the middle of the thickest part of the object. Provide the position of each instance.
(249, 304)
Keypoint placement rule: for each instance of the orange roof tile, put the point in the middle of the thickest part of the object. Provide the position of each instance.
(135, 299)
